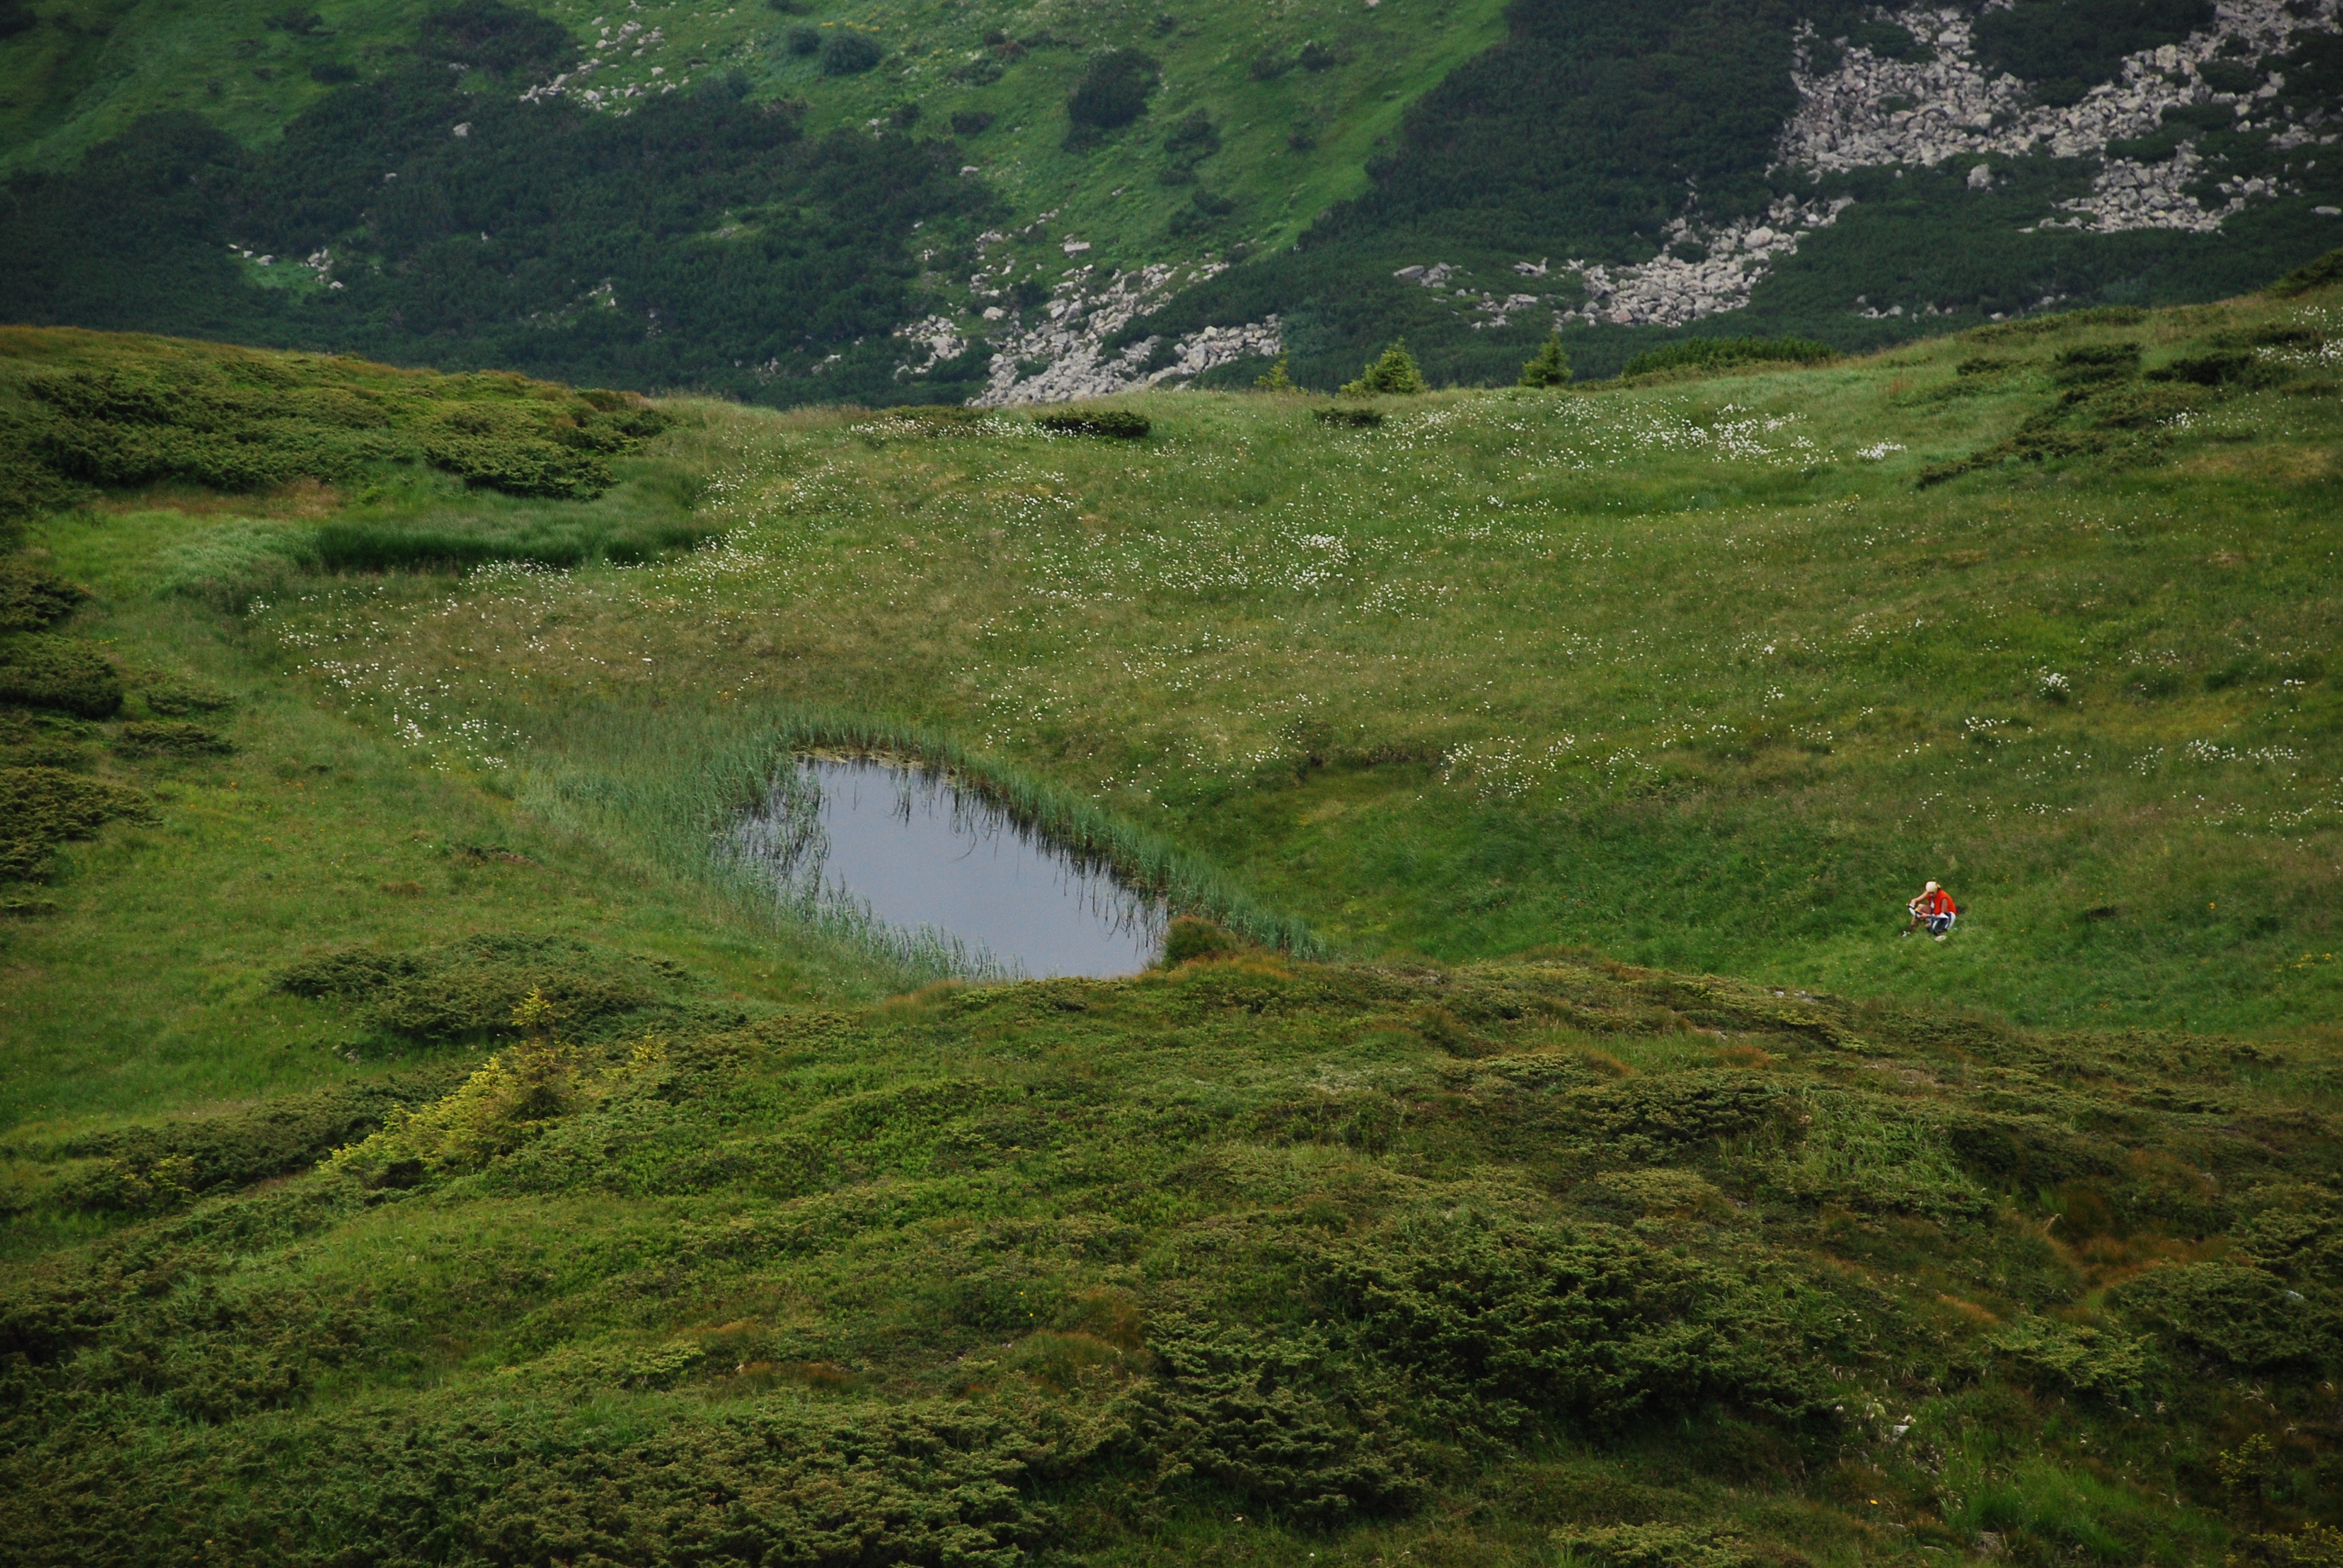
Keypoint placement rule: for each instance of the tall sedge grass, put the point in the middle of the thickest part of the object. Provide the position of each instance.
(672, 783)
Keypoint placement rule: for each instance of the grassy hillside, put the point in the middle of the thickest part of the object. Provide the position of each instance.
(1696, 672)
(416, 1148)
(1246, 1261)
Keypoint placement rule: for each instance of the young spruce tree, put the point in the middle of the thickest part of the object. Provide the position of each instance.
(1550, 369)
(1396, 371)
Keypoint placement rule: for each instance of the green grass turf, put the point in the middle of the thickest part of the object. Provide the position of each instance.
(1485, 1249)
(1688, 672)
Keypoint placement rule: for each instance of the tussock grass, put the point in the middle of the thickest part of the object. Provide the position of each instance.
(675, 781)
(1693, 673)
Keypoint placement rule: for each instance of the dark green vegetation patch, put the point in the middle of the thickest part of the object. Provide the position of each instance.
(43, 806)
(127, 414)
(1674, 1271)
(697, 240)
(466, 990)
(64, 674)
(1121, 424)
(1705, 354)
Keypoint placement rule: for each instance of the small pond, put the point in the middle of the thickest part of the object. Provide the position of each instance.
(904, 846)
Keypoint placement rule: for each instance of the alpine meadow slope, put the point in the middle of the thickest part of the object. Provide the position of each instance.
(423, 1146)
(425, 1139)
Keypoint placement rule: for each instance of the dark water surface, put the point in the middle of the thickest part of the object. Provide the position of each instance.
(916, 852)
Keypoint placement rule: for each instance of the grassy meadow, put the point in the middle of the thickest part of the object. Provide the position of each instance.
(1692, 673)
(417, 1146)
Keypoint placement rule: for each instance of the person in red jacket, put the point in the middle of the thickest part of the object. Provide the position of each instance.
(1935, 910)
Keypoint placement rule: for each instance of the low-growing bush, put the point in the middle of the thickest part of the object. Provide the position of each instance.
(1122, 424)
(2324, 273)
(467, 991)
(42, 670)
(240, 425)
(170, 738)
(1511, 1329)
(162, 1165)
(2075, 1358)
(178, 699)
(33, 598)
(513, 1097)
(1704, 353)
(940, 418)
(1349, 419)
(1112, 90)
(1275, 1420)
(41, 807)
(2093, 362)
(848, 53)
(1191, 937)
(2239, 1317)
(1658, 1545)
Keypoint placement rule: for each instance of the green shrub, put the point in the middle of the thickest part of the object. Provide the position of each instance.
(41, 807)
(1550, 369)
(178, 699)
(2240, 1317)
(802, 40)
(1349, 419)
(2063, 48)
(1705, 354)
(2324, 273)
(467, 991)
(1649, 1117)
(940, 418)
(164, 1164)
(31, 597)
(1272, 1418)
(45, 671)
(519, 466)
(1122, 424)
(2221, 367)
(170, 738)
(1512, 1328)
(848, 53)
(1888, 40)
(970, 121)
(513, 1097)
(2072, 1357)
(1394, 372)
(1112, 90)
(2088, 362)
(1191, 937)
(1650, 1546)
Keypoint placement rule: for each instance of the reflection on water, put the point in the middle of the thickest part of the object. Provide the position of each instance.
(907, 848)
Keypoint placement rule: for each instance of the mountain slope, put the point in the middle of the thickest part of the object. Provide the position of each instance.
(1316, 187)
(419, 1146)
